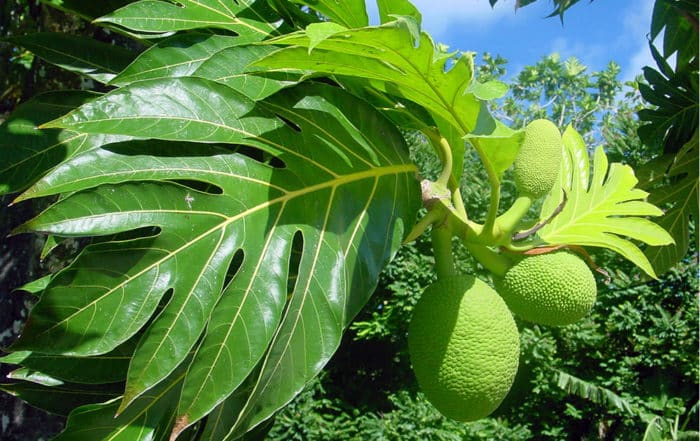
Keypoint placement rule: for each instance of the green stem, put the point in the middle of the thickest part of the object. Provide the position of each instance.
(508, 221)
(436, 214)
(442, 147)
(495, 183)
(521, 248)
(497, 263)
(458, 204)
(442, 248)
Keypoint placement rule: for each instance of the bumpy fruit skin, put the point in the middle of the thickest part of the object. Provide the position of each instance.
(464, 347)
(554, 289)
(536, 168)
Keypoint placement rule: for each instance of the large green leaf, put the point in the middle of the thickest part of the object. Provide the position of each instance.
(97, 60)
(597, 394)
(678, 195)
(349, 13)
(602, 210)
(339, 187)
(399, 59)
(244, 17)
(390, 9)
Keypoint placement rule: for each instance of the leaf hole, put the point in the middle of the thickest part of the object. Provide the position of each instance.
(234, 266)
(291, 124)
(161, 306)
(261, 156)
(136, 233)
(294, 262)
(202, 187)
(166, 149)
(176, 3)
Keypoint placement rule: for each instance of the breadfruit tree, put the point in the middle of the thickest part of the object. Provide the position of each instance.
(238, 181)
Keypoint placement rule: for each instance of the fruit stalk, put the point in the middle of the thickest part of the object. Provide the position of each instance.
(442, 249)
(491, 260)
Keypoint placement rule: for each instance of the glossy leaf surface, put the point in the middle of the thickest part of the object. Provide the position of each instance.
(339, 181)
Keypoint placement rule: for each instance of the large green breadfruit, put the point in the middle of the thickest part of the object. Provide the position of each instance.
(464, 347)
(554, 289)
(536, 168)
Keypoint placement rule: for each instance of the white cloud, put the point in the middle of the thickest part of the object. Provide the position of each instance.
(632, 42)
(636, 62)
(588, 54)
(636, 26)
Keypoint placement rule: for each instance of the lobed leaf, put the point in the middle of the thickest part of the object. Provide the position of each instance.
(678, 193)
(602, 211)
(396, 58)
(314, 225)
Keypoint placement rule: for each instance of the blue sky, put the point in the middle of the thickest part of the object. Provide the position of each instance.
(595, 33)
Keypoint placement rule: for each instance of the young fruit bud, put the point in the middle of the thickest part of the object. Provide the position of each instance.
(464, 347)
(536, 168)
(554, 289)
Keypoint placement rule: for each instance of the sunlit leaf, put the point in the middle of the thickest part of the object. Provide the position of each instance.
(349, 13)
(177, 56)
(604, 210)
(398, 59)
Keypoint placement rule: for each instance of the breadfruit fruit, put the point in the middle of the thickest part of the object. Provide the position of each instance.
(464, 347)
(554, 289)
(536, 167)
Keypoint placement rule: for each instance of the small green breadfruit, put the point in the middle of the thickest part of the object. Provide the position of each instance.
(536, 168)
(464, 347)
(554, 289)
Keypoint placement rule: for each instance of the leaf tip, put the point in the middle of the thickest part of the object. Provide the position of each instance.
(128, 398)
(53, 124)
